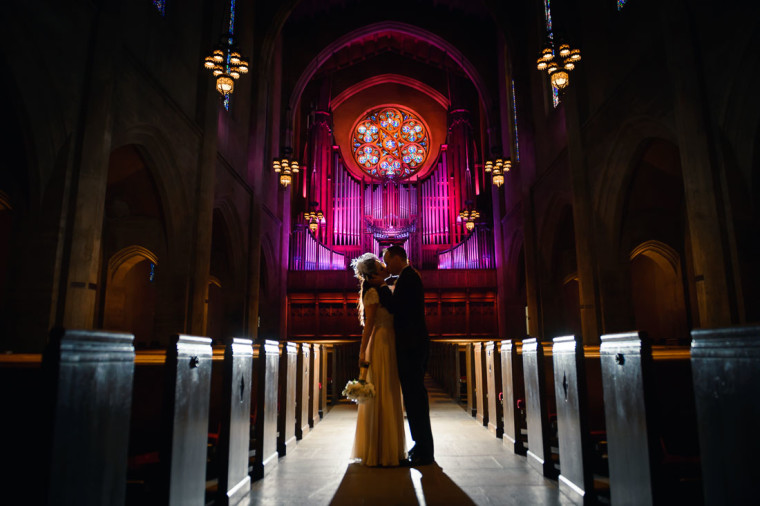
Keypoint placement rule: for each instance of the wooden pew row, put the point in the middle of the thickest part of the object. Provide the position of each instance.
(579, 425)
(168, 425)
(182, 399)
(461, 368)
(726, 371)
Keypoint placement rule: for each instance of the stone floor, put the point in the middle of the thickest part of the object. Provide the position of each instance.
(472, 467)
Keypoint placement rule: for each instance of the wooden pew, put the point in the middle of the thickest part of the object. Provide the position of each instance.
(92, 373)
(472, 403)
(651, 422)
(512, 381)
(494, 388)
(168, 427)
(66, 419)
(576, 478)
(234, 438)
(26, 397)
(481, 384)
(314, 379)
(345, 367)
(302, 390)
(326, 357)
(726, 372)
(266, 358)
(286, 421)
(539, 431)
(444, 367)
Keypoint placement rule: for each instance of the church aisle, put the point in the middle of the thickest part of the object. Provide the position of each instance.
(471, 467)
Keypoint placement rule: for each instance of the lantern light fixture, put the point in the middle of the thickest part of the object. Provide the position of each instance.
(468, 216)
(558, 64)
(314, 218)
(497, 169)
(286, 169)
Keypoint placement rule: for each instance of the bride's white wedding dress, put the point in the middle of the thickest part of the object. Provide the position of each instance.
(380, 439)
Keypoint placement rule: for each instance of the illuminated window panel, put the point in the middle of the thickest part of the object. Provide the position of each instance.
(555, 96)
(514, 122)
(390, 143)
(621, 4)
(161, 6)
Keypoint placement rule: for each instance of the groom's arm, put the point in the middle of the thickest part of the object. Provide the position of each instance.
(386, 298)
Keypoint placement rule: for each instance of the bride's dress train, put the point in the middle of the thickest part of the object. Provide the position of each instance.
(380, 439)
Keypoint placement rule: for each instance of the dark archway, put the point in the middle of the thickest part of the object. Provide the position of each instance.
(134, 239)
(130, 295)
(220, 306)
(654, 238)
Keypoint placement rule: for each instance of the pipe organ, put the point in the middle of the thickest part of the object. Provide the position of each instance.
(368, 214)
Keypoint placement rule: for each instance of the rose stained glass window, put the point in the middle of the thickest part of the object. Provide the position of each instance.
(390, 143)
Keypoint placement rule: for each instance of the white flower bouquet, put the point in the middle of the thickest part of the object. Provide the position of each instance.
(360, 391)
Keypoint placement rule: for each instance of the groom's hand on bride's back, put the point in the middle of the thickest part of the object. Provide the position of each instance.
(386, 298)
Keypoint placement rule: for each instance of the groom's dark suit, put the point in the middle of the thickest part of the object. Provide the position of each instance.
(407, 303)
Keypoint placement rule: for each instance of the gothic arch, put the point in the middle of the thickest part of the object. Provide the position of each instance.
(124, 259)
(156, 150)
(609, 196)
(401, 28)
(657, 292)
(234, 236)
(130, 297)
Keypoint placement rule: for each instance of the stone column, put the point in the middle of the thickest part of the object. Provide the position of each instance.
(89, 177)
(204, 209)
(583, 220)
(705, 209)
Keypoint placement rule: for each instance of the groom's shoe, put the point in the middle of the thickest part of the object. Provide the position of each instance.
(419, 460)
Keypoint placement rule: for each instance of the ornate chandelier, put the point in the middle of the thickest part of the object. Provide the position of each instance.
(468, 216)
(497, 170)
(314, 219)
(558, 64)
(285, 168)
(225, 61)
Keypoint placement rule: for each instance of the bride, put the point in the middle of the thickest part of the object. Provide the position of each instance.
(379, 439)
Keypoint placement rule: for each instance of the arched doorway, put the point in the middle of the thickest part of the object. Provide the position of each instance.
(130, 299)
(654, 240)
(657, 292)
(565, 278)
(134, 238)
(220, 311)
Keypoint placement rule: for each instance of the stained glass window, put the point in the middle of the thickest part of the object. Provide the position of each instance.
(390, 143)
(621, 4)
(152, 275)
(555, 96)
(228, 97)
(161, 6)
(550, 36)
(514, 123)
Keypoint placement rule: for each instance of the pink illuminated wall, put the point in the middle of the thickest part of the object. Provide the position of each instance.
(366, 215)
(306, 254)
(475, 252)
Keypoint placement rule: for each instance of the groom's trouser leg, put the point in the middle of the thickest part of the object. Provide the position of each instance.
(412, 366)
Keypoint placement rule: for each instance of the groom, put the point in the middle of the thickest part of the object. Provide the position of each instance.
(407, 303)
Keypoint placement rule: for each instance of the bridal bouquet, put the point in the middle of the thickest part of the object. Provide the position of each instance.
(359, 391)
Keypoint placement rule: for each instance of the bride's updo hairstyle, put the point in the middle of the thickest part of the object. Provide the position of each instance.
(364, 267)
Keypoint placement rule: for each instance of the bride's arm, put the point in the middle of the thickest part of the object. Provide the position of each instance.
(370, 311)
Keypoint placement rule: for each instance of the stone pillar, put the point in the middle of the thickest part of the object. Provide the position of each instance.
(204, 209)
(318, 169)
(89, 177)
(461, 166)
(705, 209)
(583, 221)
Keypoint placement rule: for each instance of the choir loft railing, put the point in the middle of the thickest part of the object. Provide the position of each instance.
(307, 254)
(475, 252)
